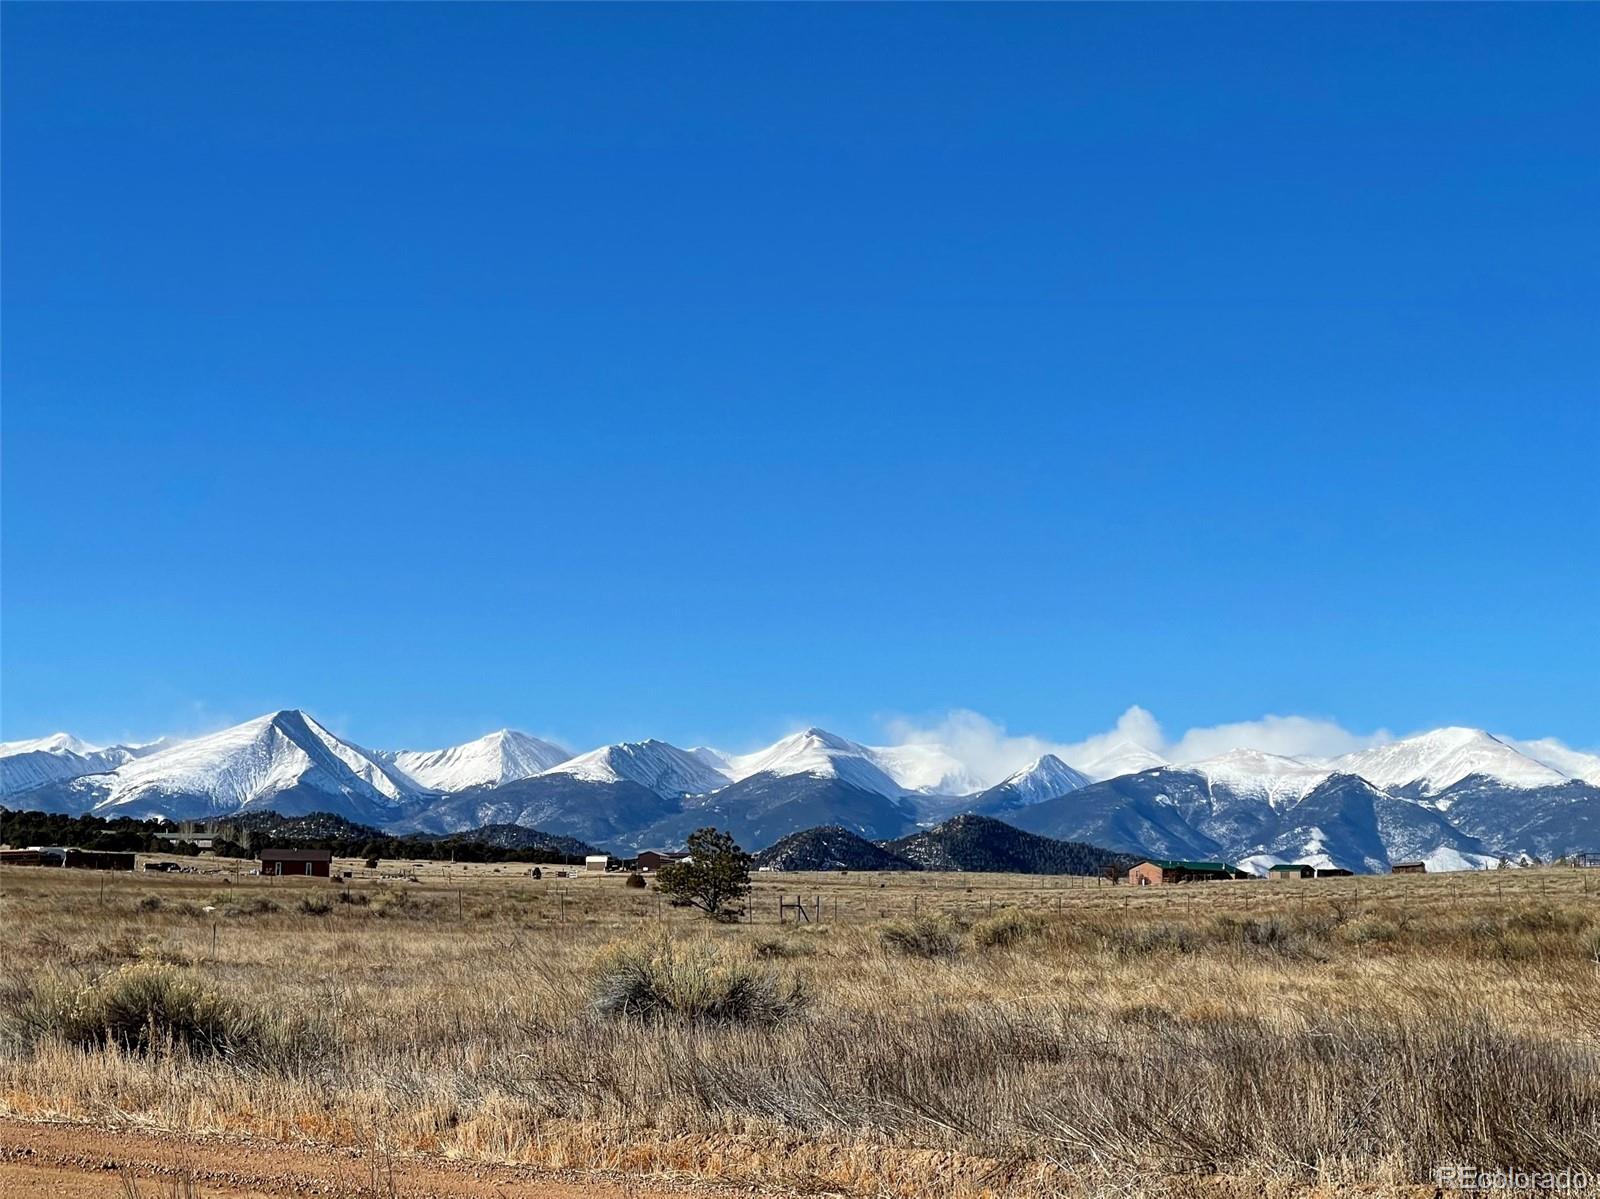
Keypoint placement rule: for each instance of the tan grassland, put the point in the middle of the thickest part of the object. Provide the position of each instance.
(930, 1035)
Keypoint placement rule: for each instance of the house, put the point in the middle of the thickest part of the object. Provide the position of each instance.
(318, 863)
(1290, 872)
(1157, 872)
(655, 859)
(1409, 868)
(599, 863)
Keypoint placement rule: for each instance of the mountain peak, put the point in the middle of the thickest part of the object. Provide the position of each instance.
(656, 765)
(54, 743)
(503, 756)
(818, 752)
(1046, 777)
(1438, 759)
(276, 755)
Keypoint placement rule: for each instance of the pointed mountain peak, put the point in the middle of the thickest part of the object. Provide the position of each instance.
(1046, 777)
(657, 765)
(818, 752)
(822, 737)
(258, 761)
(503, 756)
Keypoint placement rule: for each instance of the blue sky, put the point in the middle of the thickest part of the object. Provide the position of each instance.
(696, 372)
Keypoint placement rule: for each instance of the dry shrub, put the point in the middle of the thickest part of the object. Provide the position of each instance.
(1370, 929)
(314, 905)
(233, 904)
(781, 947)
(1008, 928)
(924, 936)
(140, 1008)
(1253, 1094)
(636, 881)
(1544, 919)
(695, 982)
(395, 903)
(1286, 936)
(150, 903)
(1144, 940)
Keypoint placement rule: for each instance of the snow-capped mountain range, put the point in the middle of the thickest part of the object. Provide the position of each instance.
(1464, 796)
(495, 758)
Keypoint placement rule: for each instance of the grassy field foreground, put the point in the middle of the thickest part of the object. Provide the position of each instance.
(940, 1035)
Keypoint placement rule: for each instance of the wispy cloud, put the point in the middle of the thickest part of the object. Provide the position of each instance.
(991, 751)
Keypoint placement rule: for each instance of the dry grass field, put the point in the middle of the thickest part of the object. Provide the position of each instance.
(931, 1035)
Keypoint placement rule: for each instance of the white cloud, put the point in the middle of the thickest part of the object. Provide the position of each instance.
(991, 752)
(1290, 736)
(1557, 754)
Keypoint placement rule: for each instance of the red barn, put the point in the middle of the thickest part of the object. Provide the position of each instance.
(317, 863)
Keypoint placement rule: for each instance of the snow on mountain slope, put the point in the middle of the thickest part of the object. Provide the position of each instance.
(713, 759)
(1573, 763)
(1431, 762)
(820, 754)
(663, 768)
(1043, 778)
(497, 758)
(25, 765)
(1277, 780)
(1123, 758)
(55, 743)
(1445, 859)
(249, 765)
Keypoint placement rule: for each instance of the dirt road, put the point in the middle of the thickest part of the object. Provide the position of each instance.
(71, 1161)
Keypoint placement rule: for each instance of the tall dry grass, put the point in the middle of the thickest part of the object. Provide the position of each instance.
(1068, 1041)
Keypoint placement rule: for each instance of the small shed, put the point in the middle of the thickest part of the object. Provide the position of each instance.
(1409, 868)
(599, 863)
(1290, 872)
(1156, 872)
(317, 863)
(655, 859)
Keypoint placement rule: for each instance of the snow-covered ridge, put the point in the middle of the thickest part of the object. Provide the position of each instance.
(25, 765)
(822, 754)
(1456, 789)
(663, 768)
(1422, 765)
(244, 766)
(55, 743)
(1431, 762)
(499, 757)
(1277, 780)
(1043, 778)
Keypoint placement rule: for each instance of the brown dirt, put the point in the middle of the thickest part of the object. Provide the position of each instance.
(75, 1161)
